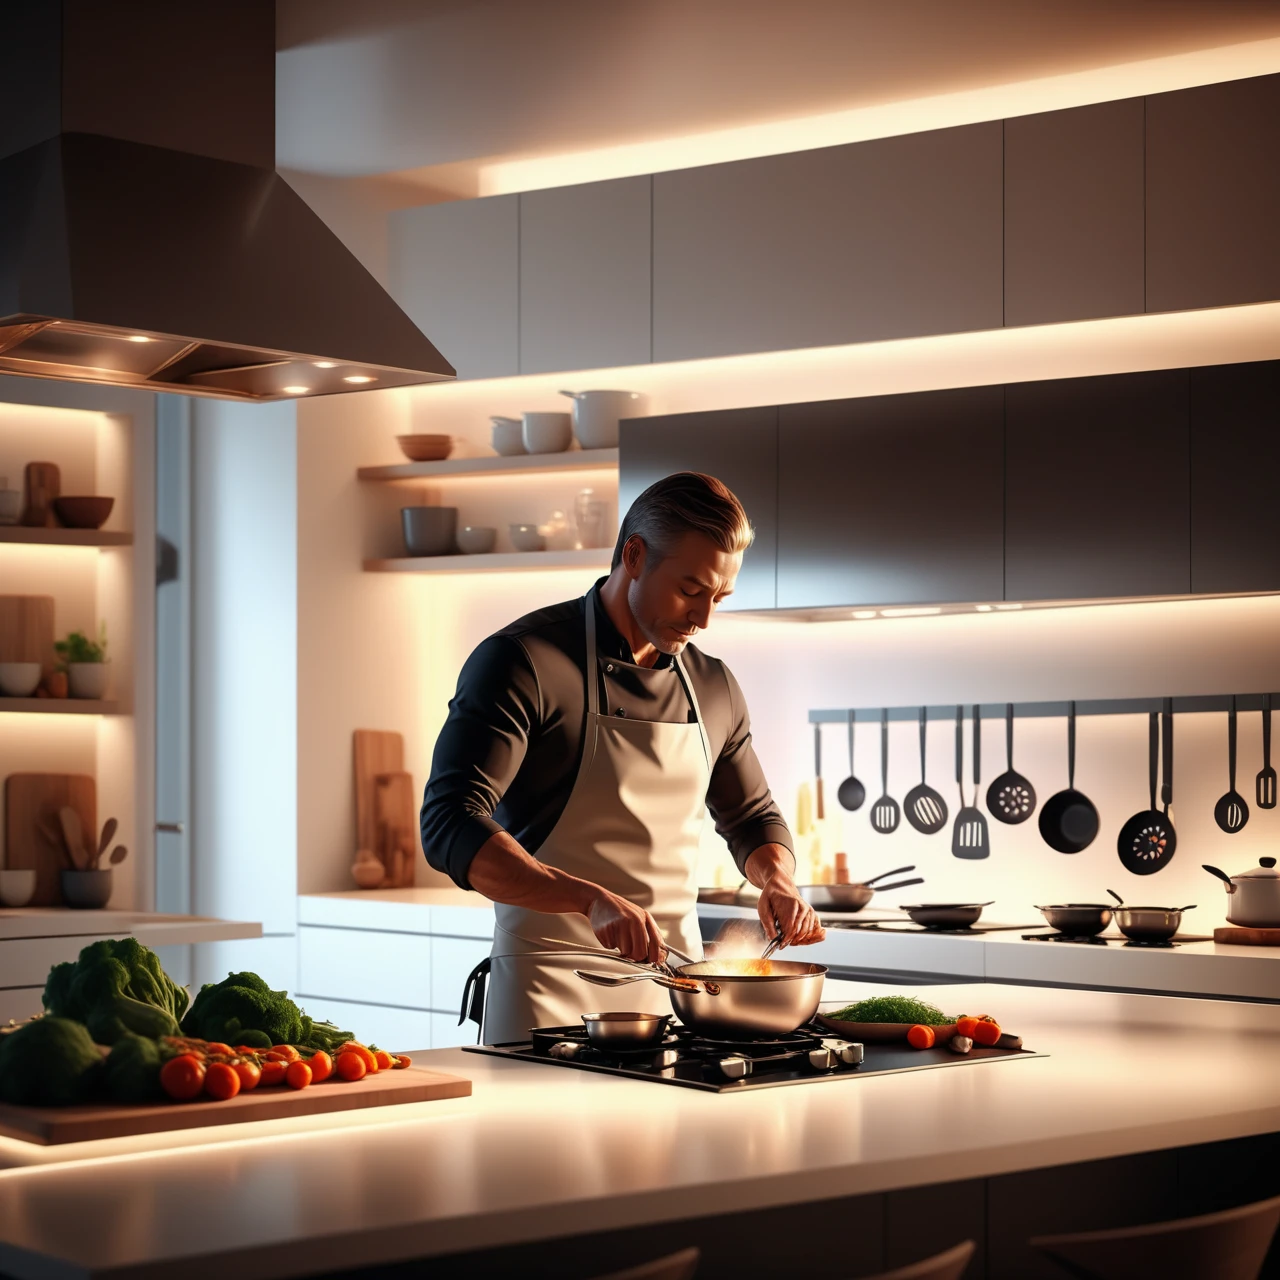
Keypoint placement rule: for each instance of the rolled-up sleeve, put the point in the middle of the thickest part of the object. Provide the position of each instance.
(744, 810)
(480, 749)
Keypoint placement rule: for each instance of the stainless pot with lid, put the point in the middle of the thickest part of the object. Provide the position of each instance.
(1253, 896)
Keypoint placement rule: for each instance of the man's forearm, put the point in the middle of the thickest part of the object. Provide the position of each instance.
(768, 862)
(504, 872)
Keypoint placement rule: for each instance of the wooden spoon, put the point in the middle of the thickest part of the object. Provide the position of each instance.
(118, 855)
(73, 834)
(108, 830)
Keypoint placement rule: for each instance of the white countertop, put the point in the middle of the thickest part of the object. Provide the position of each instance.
(540, 1151)
(1191, 968)
(151, 927)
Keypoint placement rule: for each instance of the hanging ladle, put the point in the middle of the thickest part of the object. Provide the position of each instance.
(851, 793)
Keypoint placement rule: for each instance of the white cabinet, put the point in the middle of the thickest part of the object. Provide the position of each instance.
(452, 959)
(355, 964)
(585, 276)
(454, 268)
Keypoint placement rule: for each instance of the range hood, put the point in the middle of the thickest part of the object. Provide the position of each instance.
(146, 239)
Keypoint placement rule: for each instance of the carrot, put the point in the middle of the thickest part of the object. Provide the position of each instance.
(403, 1060)
(384, 1060)
(273, 1071)
(321, 1065)
(364, 1053)
(921, 1037)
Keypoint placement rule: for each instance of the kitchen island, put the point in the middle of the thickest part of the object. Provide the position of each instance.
(1134, 1085)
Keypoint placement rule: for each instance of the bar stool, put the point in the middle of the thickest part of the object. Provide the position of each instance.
(942, 1266)
(675, 1266)
(1231, 1245)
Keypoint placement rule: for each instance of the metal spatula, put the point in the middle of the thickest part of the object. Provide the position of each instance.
(970, 839)
(1266, 792)
(885, 814)
(1231, 812)
(926, 810)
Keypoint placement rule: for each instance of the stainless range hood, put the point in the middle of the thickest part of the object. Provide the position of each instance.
(145, 237)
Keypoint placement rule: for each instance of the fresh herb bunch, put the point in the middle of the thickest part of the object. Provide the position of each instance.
(893, 1009)
(77, 647)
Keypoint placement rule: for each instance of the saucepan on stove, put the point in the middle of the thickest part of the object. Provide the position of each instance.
(1148, 924)
(613, 1031)
(853, 897)
(1077, 919)
(945, 915)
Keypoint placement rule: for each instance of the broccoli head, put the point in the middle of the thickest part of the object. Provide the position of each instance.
(242, 1009)
(48, 1062)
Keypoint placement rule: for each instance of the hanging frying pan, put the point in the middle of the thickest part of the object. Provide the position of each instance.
(1147, 841)
(926, 810)
(1068, 820)
(1011, 797)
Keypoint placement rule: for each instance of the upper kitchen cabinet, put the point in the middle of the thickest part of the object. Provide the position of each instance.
(1213, 195)
(885, 239)
(584, 276)
(738, 446)
(455, 269)
(1235, 457)
(1073, 214)
(891, 499)
(1096, 497)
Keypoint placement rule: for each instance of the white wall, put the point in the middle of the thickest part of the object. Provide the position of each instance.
(244, 682)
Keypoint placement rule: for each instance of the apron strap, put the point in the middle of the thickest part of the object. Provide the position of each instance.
(473, 994)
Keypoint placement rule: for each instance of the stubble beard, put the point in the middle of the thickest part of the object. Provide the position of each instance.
(663, 644)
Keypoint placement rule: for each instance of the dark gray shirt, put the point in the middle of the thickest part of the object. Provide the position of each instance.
(508, 754)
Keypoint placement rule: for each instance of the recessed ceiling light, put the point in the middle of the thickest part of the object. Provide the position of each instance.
(325, 364)
(909, 613)
(138, 337)
(295, 391)
(359, 377)
(865, 613)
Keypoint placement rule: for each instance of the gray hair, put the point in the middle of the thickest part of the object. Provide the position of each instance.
(687, 502)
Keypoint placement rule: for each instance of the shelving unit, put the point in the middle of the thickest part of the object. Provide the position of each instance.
(64, 537)
(489, 468)
(1025, 710)
(60, 706)
(592, 558)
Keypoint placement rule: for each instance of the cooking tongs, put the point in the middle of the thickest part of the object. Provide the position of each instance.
(662, 974)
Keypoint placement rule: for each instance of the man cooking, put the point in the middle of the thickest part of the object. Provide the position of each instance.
(583, 747)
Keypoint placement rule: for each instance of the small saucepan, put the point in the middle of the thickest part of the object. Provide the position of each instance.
(614, 1031)
(1148, 924)
(853, 897)
(946, 915)
(1077, 919)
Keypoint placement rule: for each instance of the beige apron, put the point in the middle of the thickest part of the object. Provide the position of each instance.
(631, 825)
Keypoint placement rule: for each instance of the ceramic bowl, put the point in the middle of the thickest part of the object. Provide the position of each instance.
(508, 437)
(425, 448)
(429, 531)
(17, 888)
(83, 513)
(525, 537)
(86, 889)
(547, 432)
(476, 540)
(19, 679)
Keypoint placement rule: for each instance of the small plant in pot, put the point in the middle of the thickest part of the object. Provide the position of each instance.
(85, 662)
(86, 883)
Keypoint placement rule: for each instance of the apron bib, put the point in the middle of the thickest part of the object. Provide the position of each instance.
(632, 825)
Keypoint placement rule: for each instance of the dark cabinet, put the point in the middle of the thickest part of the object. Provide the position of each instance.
(1213, 195)
(738, 446)
(1096, 487)
(891, 499)
(1235, 458)
(1073, 194)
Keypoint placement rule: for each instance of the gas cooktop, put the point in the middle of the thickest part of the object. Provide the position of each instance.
(806, 1056)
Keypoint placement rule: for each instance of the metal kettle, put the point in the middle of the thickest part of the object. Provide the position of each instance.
(1253, 896)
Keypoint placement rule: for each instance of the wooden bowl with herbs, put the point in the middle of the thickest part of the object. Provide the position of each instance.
(884, 1019)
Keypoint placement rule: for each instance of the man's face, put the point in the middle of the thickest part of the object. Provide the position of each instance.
(674, 599)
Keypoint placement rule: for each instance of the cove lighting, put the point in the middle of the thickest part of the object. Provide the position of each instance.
(910, 613)
(359, 377)
(325, 364)
(295, 391)
(138, 337)
(982, 608)
(864, 613)
(1004, 608)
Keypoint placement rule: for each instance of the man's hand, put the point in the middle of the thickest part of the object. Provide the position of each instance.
(619, 923)
(781, 906)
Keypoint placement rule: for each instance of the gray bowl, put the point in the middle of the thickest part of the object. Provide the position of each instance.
(429, 531)
(89, 889)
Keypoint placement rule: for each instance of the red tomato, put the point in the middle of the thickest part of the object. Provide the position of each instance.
(182, 1077)
(965, 1026)
(921, 1037)
(216, 1046)
(249, 1072)
(287, 1051)
(321, 1066)
(351, 1066)
(986, 1032)
(273, 1071)
(297, 1075)
(221, 1081)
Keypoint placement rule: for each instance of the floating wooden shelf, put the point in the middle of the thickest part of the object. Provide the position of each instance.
(64, 537)
(594, 558)
(60, 706)
(522, 465)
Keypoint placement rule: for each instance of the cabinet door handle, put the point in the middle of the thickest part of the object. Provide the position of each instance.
(173, 828)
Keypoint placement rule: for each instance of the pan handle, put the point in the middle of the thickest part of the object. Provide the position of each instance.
(690, 985)
(884, 875)
(901, 884)
(1166, 789)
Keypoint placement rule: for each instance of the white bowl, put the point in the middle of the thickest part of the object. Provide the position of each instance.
(88, 679)
(508, 436)
(525, 537)
(596, 415)
(476, 540)
(547, 432)
(19, 679)
(17, 888)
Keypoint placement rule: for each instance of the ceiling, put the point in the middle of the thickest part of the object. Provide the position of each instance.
(389, 86)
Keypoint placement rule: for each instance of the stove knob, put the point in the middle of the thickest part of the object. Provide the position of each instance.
(822, 1059)
(735, 1068)
(565, 1049)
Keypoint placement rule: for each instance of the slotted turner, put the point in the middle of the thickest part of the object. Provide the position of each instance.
(1266, 792)
(926, 810)
(1011, 798)
(885, 814)
(970, 838)
(1231, 812)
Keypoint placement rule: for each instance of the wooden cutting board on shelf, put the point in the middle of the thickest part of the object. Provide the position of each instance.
(376, 752)
(42, 483)
(53, 1125)
(397, 809)
(31, 802)
(1243, 937)
(26, 630)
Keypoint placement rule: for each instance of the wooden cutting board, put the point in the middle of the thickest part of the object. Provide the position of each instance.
(397, 847)
(43, 483)
(376, 752)
(52, 1125)
(26, 630)
(1243, 937)
(31, 799)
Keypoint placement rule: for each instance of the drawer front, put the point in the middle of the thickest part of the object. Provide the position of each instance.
(25, 962)
(356, 964)
(451, 960)
(396, 1030)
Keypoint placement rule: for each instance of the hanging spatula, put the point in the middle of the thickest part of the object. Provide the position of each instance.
(885, 814)
(1231, 812)
(1266, 792)
(926, 810)
(970, 838)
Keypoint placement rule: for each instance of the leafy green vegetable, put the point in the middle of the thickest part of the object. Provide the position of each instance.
(893, 1009)
(48, 1062)
(241, 1009)
(116, 988)
(77, 647)
(132, 1070)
